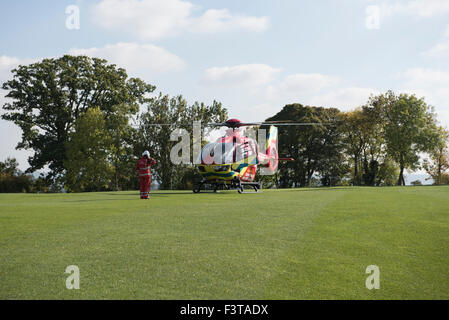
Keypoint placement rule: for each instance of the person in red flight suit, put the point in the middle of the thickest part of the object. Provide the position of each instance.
(143, 170)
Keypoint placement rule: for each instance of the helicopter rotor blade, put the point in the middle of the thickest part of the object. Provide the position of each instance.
(295, 124)
(288, 123)
(153, 125)
(215, 124)
(247, 124)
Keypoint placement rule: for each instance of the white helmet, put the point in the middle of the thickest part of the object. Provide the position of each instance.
(146, 153)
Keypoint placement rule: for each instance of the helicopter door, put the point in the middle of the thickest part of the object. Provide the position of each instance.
(217, 153)
(245, 150)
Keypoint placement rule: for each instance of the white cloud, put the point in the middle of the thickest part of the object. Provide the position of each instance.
(343, 98)
(150, 19)
(423, 78)
(8, 146)
(431, 84)
(154, 19)
(6, 65)
(421, 8)
(439, 50)
(253, 106)
(213, 21)
(135, 58)
(11, 133)
(306, 83)
(267, 93)
(246, 75)
(299, 86)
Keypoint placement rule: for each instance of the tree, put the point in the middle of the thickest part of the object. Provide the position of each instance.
(88, 153)
(410, 128)
(439, 158)
(388, 173)
(374, 145)
(49, 96)
(332, 166)
(353, 139)
(10, 166)
(364, 143)
(317, 149)
(122, 152)
(174, 113)
(41, 184)
(12, 179)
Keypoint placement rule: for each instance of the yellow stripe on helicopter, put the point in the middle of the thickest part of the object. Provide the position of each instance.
(227, 171)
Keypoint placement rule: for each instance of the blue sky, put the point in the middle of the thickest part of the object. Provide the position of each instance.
(254, 56)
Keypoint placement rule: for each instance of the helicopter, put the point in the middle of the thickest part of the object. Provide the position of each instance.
(231, 161)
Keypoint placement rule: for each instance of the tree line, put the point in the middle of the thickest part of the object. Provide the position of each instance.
(88, 122)
(372, 145)
(83, 119)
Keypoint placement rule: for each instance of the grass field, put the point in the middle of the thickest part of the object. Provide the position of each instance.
(281, 244)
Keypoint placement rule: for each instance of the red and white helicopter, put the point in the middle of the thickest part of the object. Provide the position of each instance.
(232, 160)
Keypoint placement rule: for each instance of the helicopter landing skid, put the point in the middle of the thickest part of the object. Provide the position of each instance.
(216, 185)
(204, 186)
(257, 186)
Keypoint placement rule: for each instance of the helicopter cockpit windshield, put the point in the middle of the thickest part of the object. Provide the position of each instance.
(217, 153)
(224, 153)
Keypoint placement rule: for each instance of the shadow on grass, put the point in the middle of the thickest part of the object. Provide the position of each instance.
(118, 196)
(99, 200)
(156, 193)
(151, 193)
(315, 189)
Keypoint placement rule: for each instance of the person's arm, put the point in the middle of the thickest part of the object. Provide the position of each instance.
(153, 162)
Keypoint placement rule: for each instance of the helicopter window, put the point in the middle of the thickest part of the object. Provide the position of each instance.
(245, 150)
(227, 152)
(223, 153)
(205, 154)
(217, 153)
